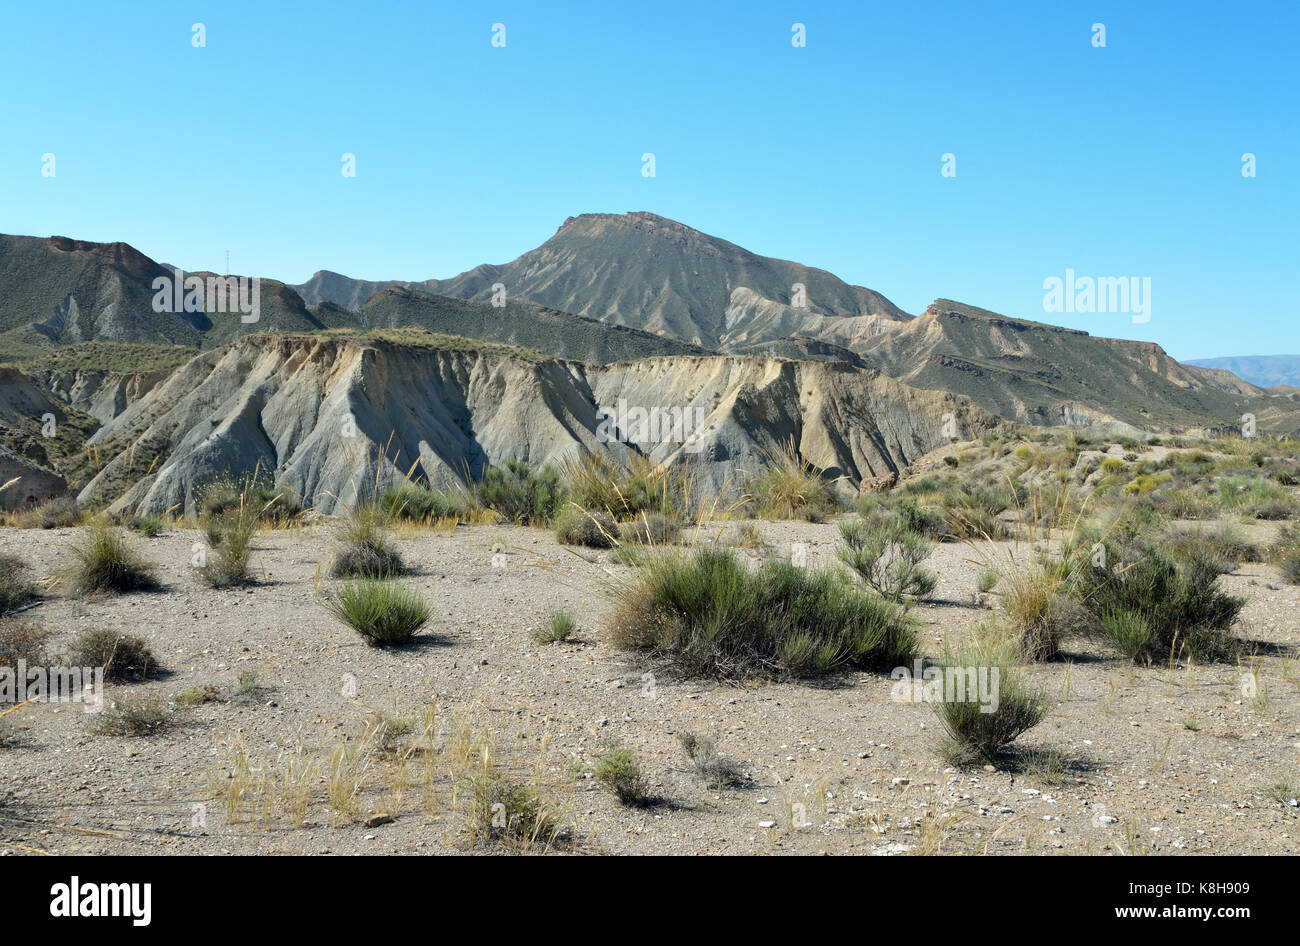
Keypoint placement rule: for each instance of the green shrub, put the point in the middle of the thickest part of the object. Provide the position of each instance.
(557, 628)
(124, 657)
(259, 494)
(15, 589)
(887, 556)
(595, 530)
(384, 613)
(418, 503)
(106, 563)
(1153, 607)
(521, 494)
(618, 771)
(973, 735)
(149, 526)
(364, 548)
(704, 613)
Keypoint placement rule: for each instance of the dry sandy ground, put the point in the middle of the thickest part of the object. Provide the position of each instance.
(1166, 761)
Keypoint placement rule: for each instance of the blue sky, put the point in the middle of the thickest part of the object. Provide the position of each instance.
(1121, 161)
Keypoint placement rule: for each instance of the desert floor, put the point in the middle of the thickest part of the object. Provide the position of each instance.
(1168, 761)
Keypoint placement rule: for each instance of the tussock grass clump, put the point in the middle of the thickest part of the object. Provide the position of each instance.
(618, 771)
(365, 550)
(558, 627)
(703, 613)
(384, 613)
(789, 487)
(653, 529)
(718, 772)
(972, 734)
(15, 588)
(888, 556)
(521, 494)
(595, 530)
(124, 657)
(510, 812)
(136, 717)
(624, 490)
(106, 563)
(227, 560)
(416, 502)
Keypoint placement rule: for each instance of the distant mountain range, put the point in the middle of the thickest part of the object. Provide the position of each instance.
(1266, 371)
(608, 288)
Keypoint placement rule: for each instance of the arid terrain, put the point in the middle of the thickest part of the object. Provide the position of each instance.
(1147, 759)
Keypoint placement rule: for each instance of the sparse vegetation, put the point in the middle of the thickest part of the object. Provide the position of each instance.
(558, 627)
(521, 494)
(972, 732)
(705, 613)
(619, 772)
(789, 487)
(106, 563)
(718, 772)
(15, 588)
(124, 657)
(365, 550)
(887, 556)
(652, 529)
(384, 613)
(136, 716)
(22, 640)
(595, 530)
(227, 559)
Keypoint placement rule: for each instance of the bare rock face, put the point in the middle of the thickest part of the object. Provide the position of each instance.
(24, 483)
(332, 416)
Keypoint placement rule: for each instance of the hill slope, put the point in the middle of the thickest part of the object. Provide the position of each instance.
(320, 410)
(643, 271)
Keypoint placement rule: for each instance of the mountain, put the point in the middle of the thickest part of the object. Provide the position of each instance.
(1267, 371)
(320, 411)
(56, 291)
(518, 322)
(609, 288)
(1045, 374)
(646, 272)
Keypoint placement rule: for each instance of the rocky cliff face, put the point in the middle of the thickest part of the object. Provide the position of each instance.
(331, 415)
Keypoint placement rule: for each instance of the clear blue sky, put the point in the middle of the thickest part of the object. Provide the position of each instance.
(1118, 161)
